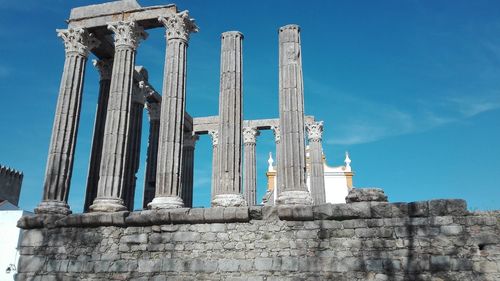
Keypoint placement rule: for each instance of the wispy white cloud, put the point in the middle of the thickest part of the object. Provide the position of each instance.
(365, 120)
(376, 121)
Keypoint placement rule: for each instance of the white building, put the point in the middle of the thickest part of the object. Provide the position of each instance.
(10, 237)
(338, 180)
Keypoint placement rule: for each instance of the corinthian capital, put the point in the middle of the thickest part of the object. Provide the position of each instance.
(105, 68)
(77, 40)
(127, 33)
(315, 131)
(250, 135)
(215, 137)
(179, 26)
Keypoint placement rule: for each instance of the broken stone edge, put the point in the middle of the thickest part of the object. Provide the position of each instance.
(339, 212)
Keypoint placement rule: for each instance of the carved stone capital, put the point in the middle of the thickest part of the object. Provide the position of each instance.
(105, 68)
(127, 34)
(315, 131)
(277, 134)
(215, 137)
(190, 139)
(179, 26)
(77, 40)
(154, 110)
(250, 135)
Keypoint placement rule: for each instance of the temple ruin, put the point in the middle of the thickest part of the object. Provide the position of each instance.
(300, 237)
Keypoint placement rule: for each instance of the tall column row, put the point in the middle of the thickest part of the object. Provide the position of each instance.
(228, 185)
(115, 153)
(168, 173)
(104, 67)
(77, 42)
(292, 166)
(152, 153)
(249, 173)
(188, 168)
(316, 168)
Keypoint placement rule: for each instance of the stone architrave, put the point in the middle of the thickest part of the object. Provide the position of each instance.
(215, 164)
(116, 144)
(249, 163)
(104, 67)
(292, 160)
(168, 173)
(316, 169)
(134, 144)
(228, 190)
(152, 154)
(188, 168)
(78, 43)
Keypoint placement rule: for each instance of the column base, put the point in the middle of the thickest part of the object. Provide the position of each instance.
(229, 200)
(294, 197)
(107, 205)
(167, 202)
(53, 207)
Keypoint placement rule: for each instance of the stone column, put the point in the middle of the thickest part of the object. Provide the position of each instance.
(77, 42)
(115, 152)
(134, 144)
(152, 154)
(215, 163)
(316, 169)
(188, 168)
(292, 160)
(168, 173)
(104, 67)
(277, 141)
(249, 172)
(228, 191)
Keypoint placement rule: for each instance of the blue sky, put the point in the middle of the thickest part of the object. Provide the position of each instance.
(410, 88)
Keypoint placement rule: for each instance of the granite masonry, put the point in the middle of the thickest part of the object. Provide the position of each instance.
(429, 240)
(299, 238)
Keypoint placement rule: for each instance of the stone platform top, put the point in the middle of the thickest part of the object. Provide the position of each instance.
(338, 212)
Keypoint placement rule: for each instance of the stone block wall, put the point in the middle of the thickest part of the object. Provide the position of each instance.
(431, 240)
(10, 184)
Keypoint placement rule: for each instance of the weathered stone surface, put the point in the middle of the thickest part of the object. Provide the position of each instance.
(295, 212)
(228, 182)
(291, 170)
(355, 241)
(168, 172)
(366, 195)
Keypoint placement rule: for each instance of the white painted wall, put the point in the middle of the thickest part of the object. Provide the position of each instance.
(9, 239)
(336, 180)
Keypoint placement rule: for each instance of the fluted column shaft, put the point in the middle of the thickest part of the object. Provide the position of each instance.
(277, 141)
(316, 169)
(104, 67)
(117, 138)
(215, 163)
(59, 168)
(249, 172)
(134, 146)
(152, 154)
(188, 169)
(293, 188)
(228, 191)
(168, 173)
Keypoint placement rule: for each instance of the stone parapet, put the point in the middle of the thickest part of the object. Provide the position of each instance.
(338, 212)
(358, 241)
